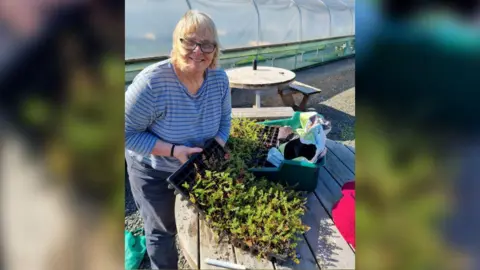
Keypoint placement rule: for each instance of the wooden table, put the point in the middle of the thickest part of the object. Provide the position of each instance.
(265, 113)
(323, 246)
(261, 81)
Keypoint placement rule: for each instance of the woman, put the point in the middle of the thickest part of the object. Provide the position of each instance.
(171, 109)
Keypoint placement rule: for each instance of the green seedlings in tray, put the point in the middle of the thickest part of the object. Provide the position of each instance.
(259, 213)
(245, 144)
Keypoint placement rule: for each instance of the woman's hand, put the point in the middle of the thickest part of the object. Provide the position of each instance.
(183, 153)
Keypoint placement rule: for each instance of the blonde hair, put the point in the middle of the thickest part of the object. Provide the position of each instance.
(193, 21)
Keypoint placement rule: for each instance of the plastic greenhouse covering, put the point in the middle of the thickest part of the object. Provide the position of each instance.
(240, 23)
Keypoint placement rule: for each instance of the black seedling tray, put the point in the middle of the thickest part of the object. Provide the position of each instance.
(254, 250)
(211, 158)
(272, 135)
(270, 140)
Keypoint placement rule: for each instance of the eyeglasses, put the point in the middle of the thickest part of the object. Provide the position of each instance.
(204, 47)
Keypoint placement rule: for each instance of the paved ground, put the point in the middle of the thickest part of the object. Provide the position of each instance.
(337, 100)
(336, 103)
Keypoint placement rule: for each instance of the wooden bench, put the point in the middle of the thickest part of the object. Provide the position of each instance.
(322, 247)
(267, 113)
(297, 87)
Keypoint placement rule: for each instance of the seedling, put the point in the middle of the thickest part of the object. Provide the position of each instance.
(256, 214)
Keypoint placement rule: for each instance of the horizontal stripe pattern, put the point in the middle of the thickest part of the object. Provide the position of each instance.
(158, 106)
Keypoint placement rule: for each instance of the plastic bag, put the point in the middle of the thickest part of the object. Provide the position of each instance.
(135, 248)
(313, 133)
(309, 144)
(307, 119)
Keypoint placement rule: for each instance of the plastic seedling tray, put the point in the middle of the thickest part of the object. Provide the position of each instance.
(268, 136)
(271, 133)
(254, 250)
(211, 158)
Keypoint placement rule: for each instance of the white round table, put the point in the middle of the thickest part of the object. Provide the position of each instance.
(259, 80)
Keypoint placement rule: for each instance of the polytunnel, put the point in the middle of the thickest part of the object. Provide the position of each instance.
(286, 33)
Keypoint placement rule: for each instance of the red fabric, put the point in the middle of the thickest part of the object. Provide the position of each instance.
(343, 213)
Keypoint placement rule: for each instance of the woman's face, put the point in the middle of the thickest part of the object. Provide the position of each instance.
(200, 51)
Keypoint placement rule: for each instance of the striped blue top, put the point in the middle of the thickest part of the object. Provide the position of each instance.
(159, 106)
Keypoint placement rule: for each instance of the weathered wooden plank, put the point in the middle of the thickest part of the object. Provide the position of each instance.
(328, 191)
(341, 151)
(187, 229)
(304, 88)
(338, 170)
(329, 247)
(251, 262)
(263, 112)
(307, 260)
(210, 248)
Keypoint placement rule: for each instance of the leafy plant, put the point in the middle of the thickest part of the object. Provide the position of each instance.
(259, 214)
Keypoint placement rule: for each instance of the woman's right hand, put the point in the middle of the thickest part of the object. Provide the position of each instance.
(183, 153)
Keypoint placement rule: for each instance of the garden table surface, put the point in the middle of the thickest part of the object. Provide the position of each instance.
(322, 246)
(263, 80)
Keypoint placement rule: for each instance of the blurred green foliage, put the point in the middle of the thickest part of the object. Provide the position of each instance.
(90, 126)
(84, 146)
(403, 198)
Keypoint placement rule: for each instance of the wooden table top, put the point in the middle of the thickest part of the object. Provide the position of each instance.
(263, 77)
(322, 247)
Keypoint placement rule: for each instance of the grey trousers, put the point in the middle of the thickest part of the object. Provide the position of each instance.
(156, 204)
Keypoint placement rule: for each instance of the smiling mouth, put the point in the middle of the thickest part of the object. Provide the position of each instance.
(197, 60)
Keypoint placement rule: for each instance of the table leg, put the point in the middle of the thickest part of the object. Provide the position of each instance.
(287, 97)
(257, 100)
(303, 103)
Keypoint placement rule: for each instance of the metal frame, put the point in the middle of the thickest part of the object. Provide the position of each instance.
(351, 14)
(329, 17)
(301, 20)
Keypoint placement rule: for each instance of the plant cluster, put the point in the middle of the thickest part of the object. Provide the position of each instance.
(263, 216)
(245, 141)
